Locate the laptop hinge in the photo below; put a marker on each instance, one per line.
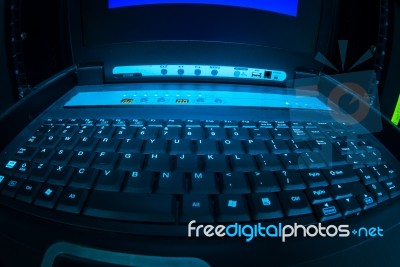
(90, 74)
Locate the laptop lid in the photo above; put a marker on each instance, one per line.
(163, 40)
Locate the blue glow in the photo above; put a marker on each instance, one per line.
(195, 98)
(286, 7)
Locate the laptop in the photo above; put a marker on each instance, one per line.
(199, 133)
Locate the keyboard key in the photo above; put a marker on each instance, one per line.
(28, 191)
(314, 178)
(235, 183)
(171, 183)
(187, 162)
(11, 187)
(61, 157)
(140, 182)
(105, 160)
(110, 180)
(130, 162)
(216, 163)
(239, 133)
(298, 146)
(340, 175)
(207, 147)
(68, 130)
(379, 172)
(248, 124)
(23, 169)
(269, 162)
(230, 124)
(266, 206)
(72, 200)
(378, 192)
(392, 172)
(40, 172)
(132, 207)
(261, 134)
(216, 133)
(341, 191)
(294, 203)
(104, 132)
(193, 133)
(243, 163)
(278, 146)
(155, 123)
(125, 132)
(366, 176)
(147, 133)
(50, 141)
(211, 123)
(292, 161)
(83, 178)
(327, 211)
(34, 141)
(203, 183)
(153, 146)
(85, 131)
(290, 180)
(47, 196)
(392, 187)
(3, 181)
(159, 162)
(321, 144)
(367, 201)
(313, 160)
(132, 146)
(196, 207)
(318, 195)
(25, 153)
(174, 123)
(264, 182)
(349, 206)
(170, 133)
(280, 134)
(86, 144)
(107, 145)
(60, 175)
(298, 134)
(255, 147)
(231, 147)
(81, 159)
(181, 146)
(232, 208)
(43, 155)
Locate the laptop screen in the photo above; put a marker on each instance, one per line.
(291, 25)
(286, 7)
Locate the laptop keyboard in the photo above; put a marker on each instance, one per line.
(174, 171)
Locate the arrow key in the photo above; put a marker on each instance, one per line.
(327, 211)
(349, 206)
(367, 201)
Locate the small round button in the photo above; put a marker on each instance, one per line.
(197, 72)
(236, 73)
(214, 72)
(164, 71)
(181, 71)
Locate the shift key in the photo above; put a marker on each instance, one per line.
(131, 207)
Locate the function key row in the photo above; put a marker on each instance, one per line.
(326, 126)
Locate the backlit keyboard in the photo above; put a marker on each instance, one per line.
(174, 171)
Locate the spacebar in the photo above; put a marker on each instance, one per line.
(131, 207)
